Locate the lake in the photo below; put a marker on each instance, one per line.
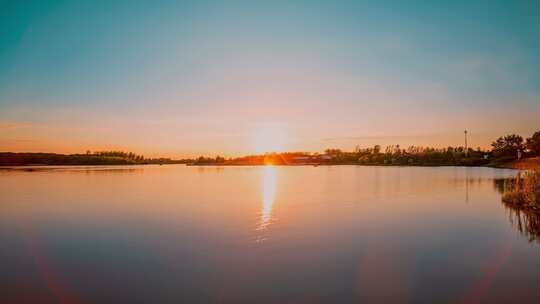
(328, 234)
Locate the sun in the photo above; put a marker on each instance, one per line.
(269, 137)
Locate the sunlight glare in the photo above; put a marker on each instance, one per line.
(268, 196)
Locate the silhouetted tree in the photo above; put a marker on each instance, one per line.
(333, 151)
(533, 143)
(507, 145)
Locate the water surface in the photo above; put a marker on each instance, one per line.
(342, 234)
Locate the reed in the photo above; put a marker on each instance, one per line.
(523, 190)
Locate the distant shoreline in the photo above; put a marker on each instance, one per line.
(503, 166)
(105, 158)
(522, 165)
(401, 159)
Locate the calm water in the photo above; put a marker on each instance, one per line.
(344, 234)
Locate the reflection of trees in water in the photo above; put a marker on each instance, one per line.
(499, 183)
(525, 220)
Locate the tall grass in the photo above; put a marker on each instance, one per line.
(523, 190)
(521, 197)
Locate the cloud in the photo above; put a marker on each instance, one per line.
(13, 125)
(381, 137)
(19, 141)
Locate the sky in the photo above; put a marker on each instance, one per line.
(185, 78)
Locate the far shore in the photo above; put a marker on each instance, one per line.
(525, 164)
(391, 157)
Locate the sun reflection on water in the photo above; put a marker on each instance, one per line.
(269, 187)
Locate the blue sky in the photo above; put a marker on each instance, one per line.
(184, 78)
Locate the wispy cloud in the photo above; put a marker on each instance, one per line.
(12, 125)
(382, 137)
(19, 141)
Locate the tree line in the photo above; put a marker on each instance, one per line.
(509, 145)
(503, 150)
(89, 158)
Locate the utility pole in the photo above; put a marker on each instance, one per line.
(466, 148)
